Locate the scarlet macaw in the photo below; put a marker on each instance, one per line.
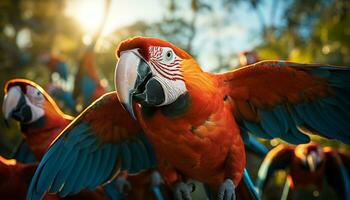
(40, 118)
(307, 165)
(248, 58)
(193, 120)
(87, 85)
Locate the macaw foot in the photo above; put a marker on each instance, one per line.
(122, 184)
(155, 179)
(182, 191)
(227, 190)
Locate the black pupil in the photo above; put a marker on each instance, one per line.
(168, 54)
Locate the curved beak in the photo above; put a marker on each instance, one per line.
(15, 105)
(11, 100)
(131, 75)
(312, 161)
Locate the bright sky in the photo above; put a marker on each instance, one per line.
(89, 12)
(240, 35)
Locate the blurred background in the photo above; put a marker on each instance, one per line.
(214, 32)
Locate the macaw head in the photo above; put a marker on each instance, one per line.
(311, 156)
(152, 72)
(26, 102)
(248, 58)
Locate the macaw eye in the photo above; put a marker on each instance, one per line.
(168, 55)
(35, 96)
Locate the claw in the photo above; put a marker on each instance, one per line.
(227, 190)
(182, 191)
(155, 179)
(122, 184)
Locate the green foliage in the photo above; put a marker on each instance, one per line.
(314, 31)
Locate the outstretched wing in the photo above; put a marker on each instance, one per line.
(278, 99)
(99, 143)
(278, 158)
(337, 174)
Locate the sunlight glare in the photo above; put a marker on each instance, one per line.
(88, 14)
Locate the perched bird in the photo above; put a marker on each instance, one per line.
(248, 58)
(307, 165)
(40, 118)
(193, 121)
(15, 178)
(87, 85)
(41, 122)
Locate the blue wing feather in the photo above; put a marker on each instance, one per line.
(270, 123)
(137, 161)
(106, 152)
(62, 175)
(280, 114)
(73, 163)
(256, 129)
(80, 158)
(126, 163)
(328, 116)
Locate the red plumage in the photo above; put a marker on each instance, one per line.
(15, 178)
(205, 142)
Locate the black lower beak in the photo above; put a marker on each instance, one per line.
(22, 112)
(149, 91)
(152, 95)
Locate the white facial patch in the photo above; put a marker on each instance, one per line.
(165, 66)
(35, 96)
(35, 100)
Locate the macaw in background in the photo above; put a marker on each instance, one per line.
(307, 165)
(15, 178)
(193, 122)
(87, 85)
(55, 64)
(248, 58)
(62, 95)
(40, 120)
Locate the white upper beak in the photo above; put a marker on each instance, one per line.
(11, 100)
(125, 78)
